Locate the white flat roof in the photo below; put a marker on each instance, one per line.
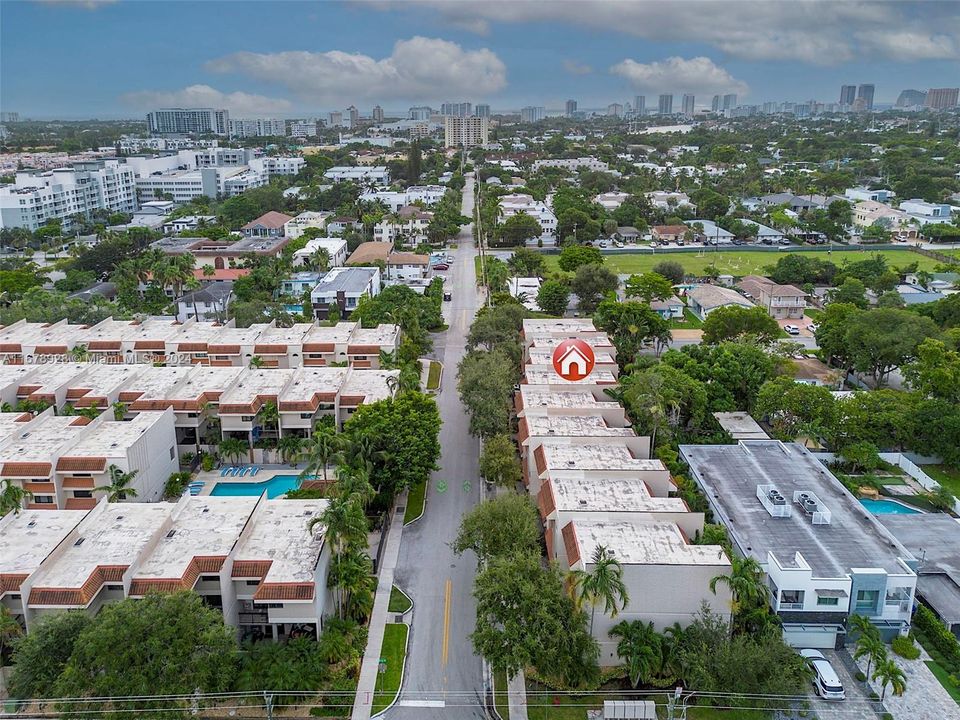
(292, 335)
(53, 376)
(372, 384)
(538, 396)
(542, 355)
(256, 383)
(563, 325)
(205, 527)
(155, 383)
(582, 494)
(102, 379)
(112, 439)
(645, 543)
(279, 534)
(380, 335)
(40, 441)
(536, 375)
(27, 538)
(573, 426)
(199, 332)
(339, 334)
(204, 378)
(309, 380)
(582, 456)
(238, 336)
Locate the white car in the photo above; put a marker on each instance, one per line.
(791, 329)
(811, 327)
(826, 682)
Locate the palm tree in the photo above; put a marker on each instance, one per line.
(604, 583)
(862, 626)
(669, 650)
(233, 448)
(352, 574)
(119, 487)
(80, 353)
(344, 526)
(270, 416)
(361, 450)
(745, 582)
(871, 647)
(640, 647)
(12, 497)
(323, 448)
(9, 629)
(119, 411)
(354, 482)
(209, 271)
(290, 448)
(256, 362)
(889, 673)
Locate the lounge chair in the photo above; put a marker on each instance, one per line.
(254, 470)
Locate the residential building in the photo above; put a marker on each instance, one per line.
(942, 98)
(716, 105)
(377, 114)
(36, 198)
(184, 185)
(219, 254)
(344, 287)
(826, 557)
(466, 131)
(640, 105)
(572, 164)
(481, 110)
(712, 233)
(739, 425)
(615, 110)
(859, 194)
(611, 200)
(670, 200)
(336, 250)
(729, 101)
(372, 175)
(510, 205)
(780, 301)
(665, 105)
(869, 212)
(704, 299)
(765, 234)
(206, 303)
(911, 99)
(261, 127)
(273, 165)
(303, 129)
(420, 112)
(268, 225)
(295, 227)
(397, 199)
(848, 93)
(532, 114)
(570, 108)
(409, 226)
(462, 109)
(688, 104)
(927, 212)
(188, 121)
(865, 94)
(669, 309)
(791, 202)
(669, 233)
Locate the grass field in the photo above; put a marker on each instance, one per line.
(415, 500)
(393, 650)
(433, 378)
(690, 321)
(500, 695)
(944, 677)
(946, 475)
(399, 602)
(740, 262)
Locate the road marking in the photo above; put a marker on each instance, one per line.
(448, 597)
(422, 703)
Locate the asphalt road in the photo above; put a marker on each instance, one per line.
(443, 677)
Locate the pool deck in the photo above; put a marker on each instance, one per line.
(210, 479)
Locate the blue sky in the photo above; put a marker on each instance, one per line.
(119, 58)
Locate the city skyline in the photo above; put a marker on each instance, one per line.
(400, 54)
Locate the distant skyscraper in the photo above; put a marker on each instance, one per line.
(716, 104)
(640, 104)
(729, 101)
(571, 108)
(942, 98)
(465, 131)
(482, 110)
(463, 109)
(189, 121)
(9, 117)
(688, 104)
(335, 119)
(665, 105)
(848, 93)
(377, 114)
(420, 112)
(911, 98)
(532, 114)
(865, 93)
(615, 110)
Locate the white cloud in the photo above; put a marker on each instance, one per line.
(679, 75)
(576, 68)
(420, 67)
(820, 32)
(239, 104)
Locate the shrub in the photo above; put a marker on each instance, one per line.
(937, 634)
(904, 647)
(207, 462)
(861, 676)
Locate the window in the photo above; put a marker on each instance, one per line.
(828, 601)
(83, 493)
(173, 453)
(247, 418)
(791, 599)
(43, 500)
(898, 596)
(252, 583)
(867, 599)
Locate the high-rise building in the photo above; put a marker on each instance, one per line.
(463, 109)
(353, 116)
(420, 112)
(481, 110)
(9, 117)
(729, 101)
(532, 114)
(571, 108)
(665, 105)
(865, 93)
(640, 104)
(262, 127)
(303, 128)
(188, 121)
(716, 105)
(688, 104)
(942, 98)
(615, 110)
(911, 98)
(335, 119)
(377, 114)
(466, 131)
(848, 93)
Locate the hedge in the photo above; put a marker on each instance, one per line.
(937, 634)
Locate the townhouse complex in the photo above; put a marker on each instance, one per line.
(596, 486)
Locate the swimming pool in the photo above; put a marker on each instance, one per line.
(274, 487)
(888, 507)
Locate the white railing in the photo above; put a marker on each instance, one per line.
(774, 510)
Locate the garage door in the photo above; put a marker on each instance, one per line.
(810, 636)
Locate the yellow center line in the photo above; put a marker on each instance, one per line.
(448, 596)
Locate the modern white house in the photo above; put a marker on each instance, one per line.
(336, 250)
(510, 205)
(295, 227)
(371, 175)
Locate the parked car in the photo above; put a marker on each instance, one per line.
(441, 266)
(811, 327)
(680, 242)
(791, 329)
(826, 682)
(449, 258)
(602, 243)
(618, 244)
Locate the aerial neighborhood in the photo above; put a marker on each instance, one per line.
(361, 399)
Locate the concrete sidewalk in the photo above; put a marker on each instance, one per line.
(517, 696)
(363, 701)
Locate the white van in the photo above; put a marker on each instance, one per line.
(826, 682)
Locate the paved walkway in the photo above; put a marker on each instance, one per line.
(517, 697)
(371, 657)
(925, 698)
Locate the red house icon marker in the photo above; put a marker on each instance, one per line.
(573, 360)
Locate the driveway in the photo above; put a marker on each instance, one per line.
(858, 705)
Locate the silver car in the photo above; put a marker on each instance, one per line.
(826, 682)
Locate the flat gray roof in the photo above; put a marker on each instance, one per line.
(730, 474)
(740, 426)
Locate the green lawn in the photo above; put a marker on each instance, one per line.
(944, 677)
(394, 650)
(415, 499)
(433, 378)
(740, 262)
(946, 475)
(813, 313)
(706, 713)
(561, 707)
(690, 321)
(500, 695)
(399, 602)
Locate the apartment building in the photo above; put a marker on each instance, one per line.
(371, 175)
(188, 121)
(780, 301)
(572, 164)
(517, 203)
(408, 226)
(182, 186)
(261, 127)
(296, 226)
(271, 166)
(35, 198)
(397, 199)
(826, 557)
(465, 132)
(252, 558)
